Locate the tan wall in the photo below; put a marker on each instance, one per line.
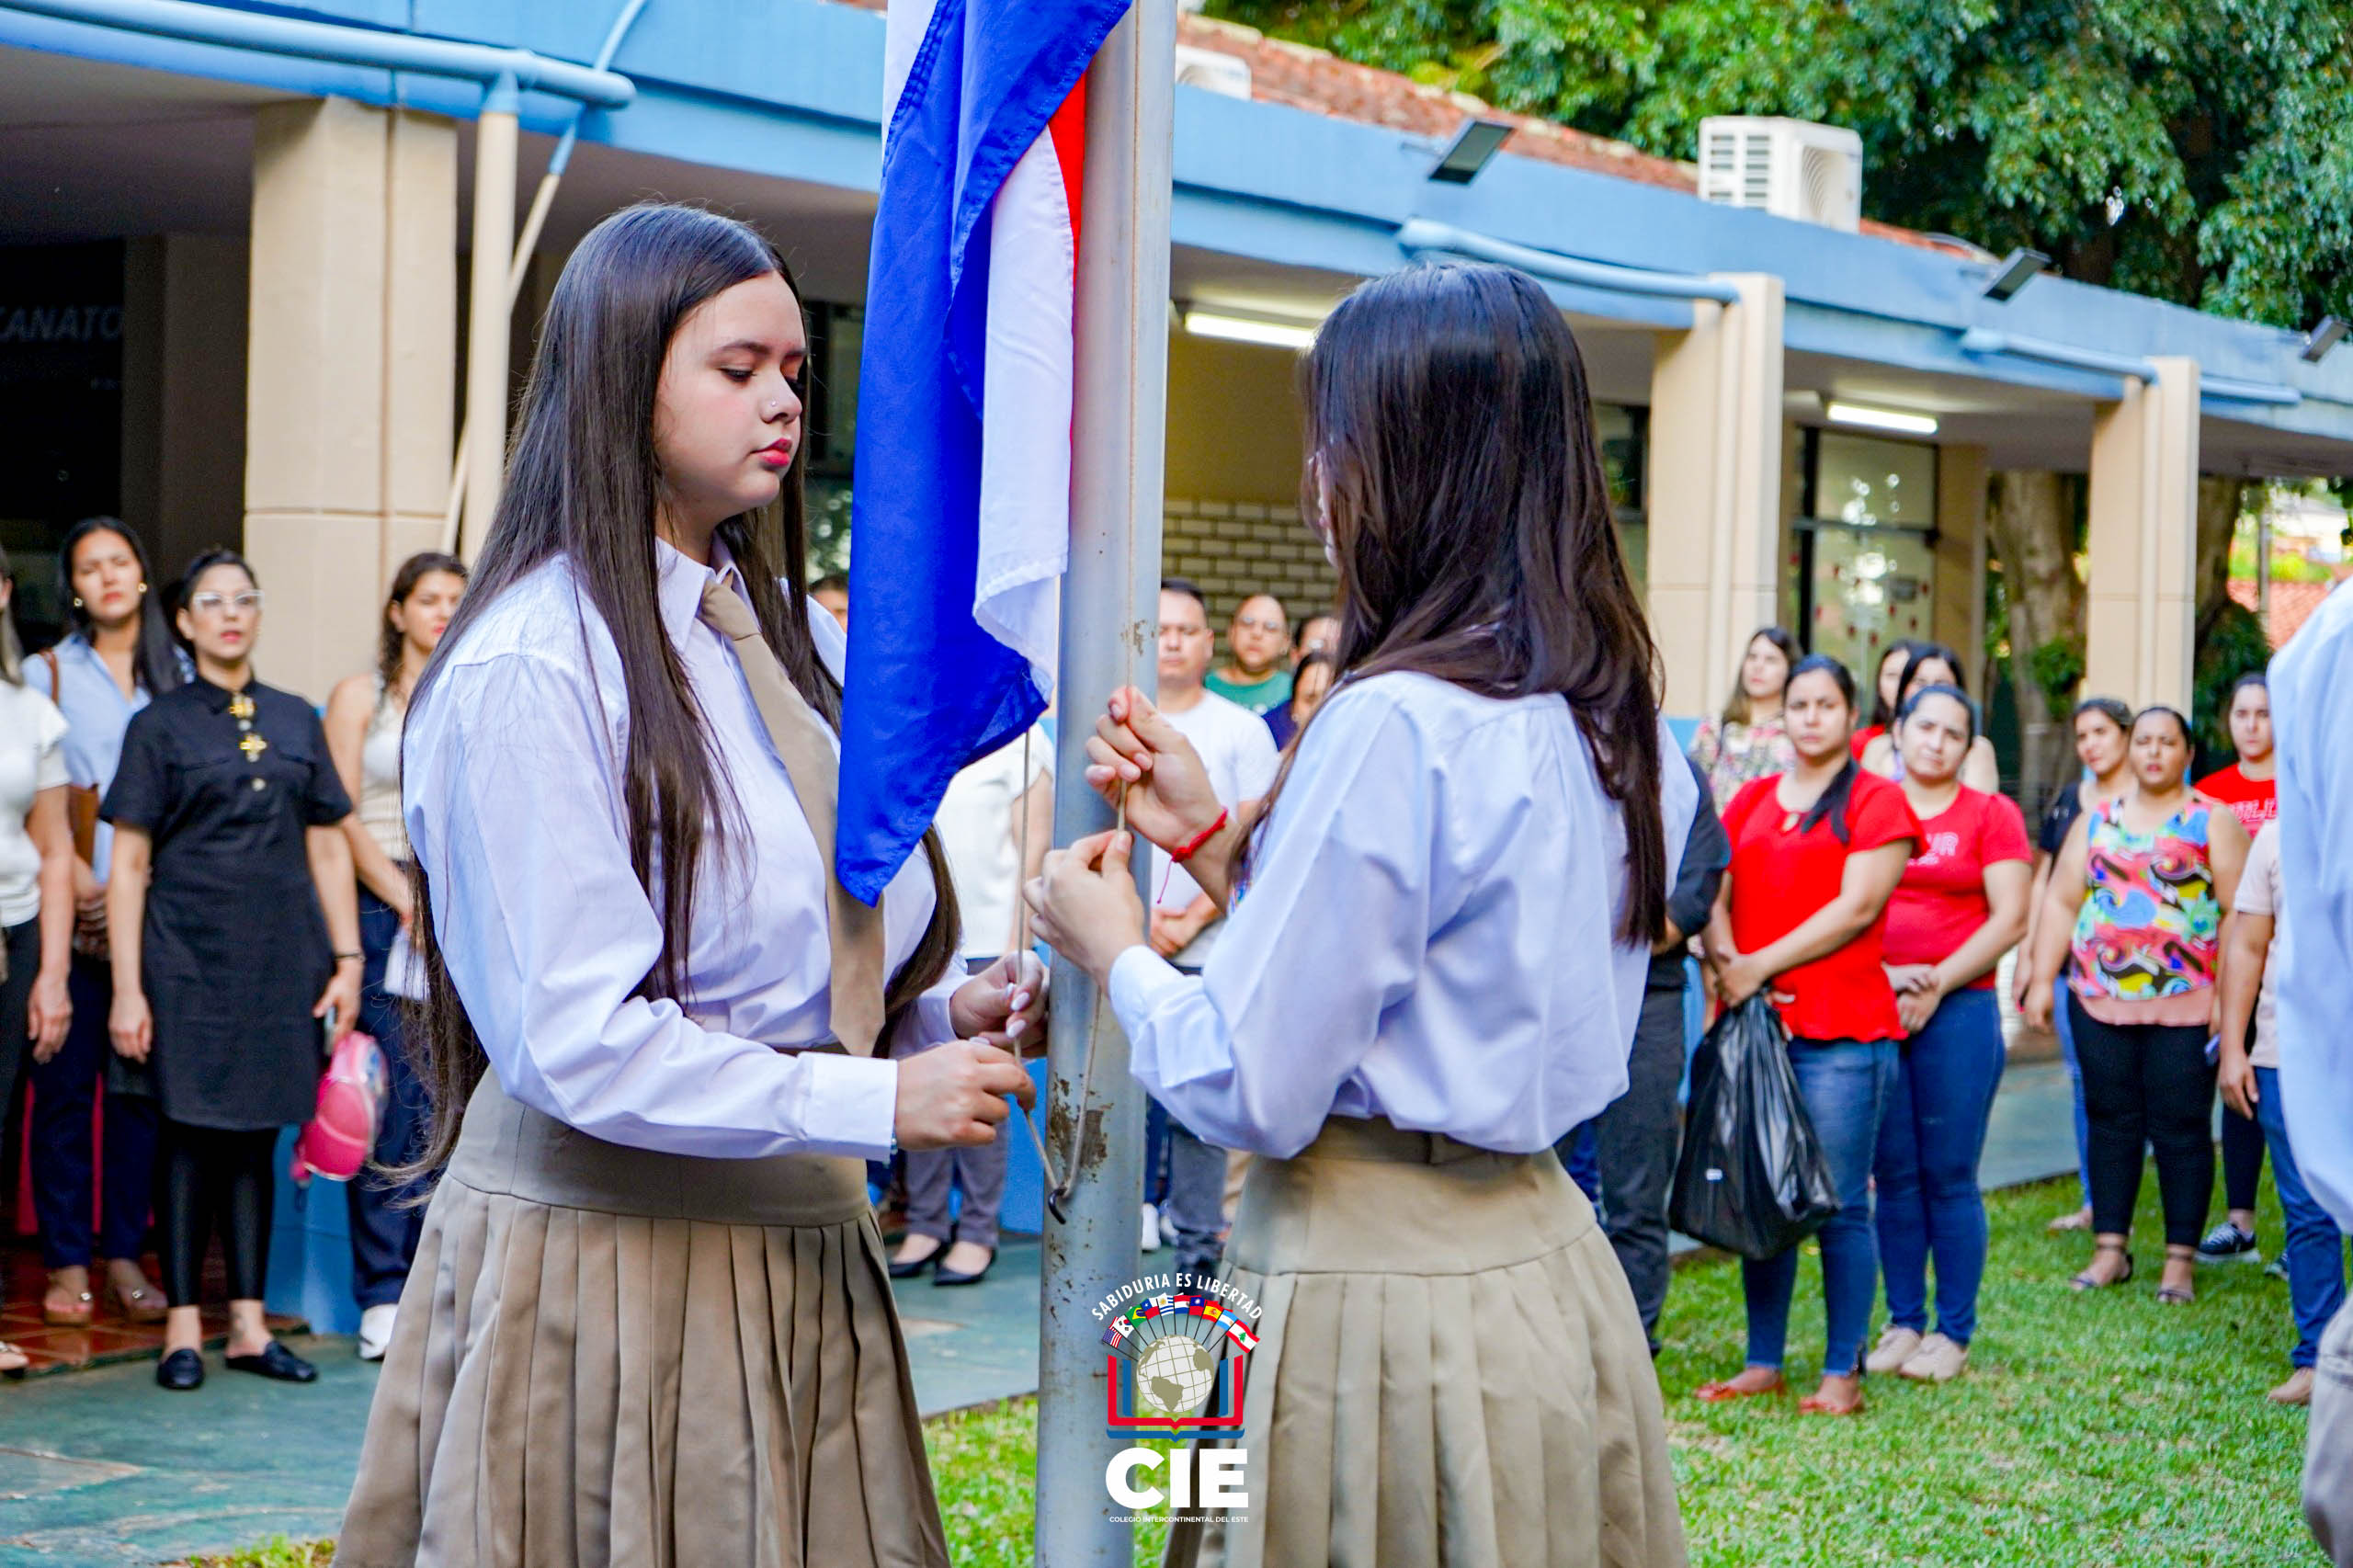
(183, 402)
(1959, 614)
(1714, 490)
(2142, 540)
(1234, 422)
(351, 368)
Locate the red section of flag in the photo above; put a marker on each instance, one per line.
(1068, 128)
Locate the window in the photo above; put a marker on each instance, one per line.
(1866, 546)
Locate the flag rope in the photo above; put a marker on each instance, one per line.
(1058, 1184)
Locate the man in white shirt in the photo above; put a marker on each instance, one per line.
(1235, 746)
(1239, 753)
(2311, 706)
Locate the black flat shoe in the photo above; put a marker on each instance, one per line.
(914, 1267)
(950, 1276)
(180, 1371)
(277, 1362)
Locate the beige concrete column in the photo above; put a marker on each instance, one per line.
(1958, 615)
(2142, 597)
(350, 363)
(1713, 490)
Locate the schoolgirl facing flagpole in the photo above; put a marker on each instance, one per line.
(648, 1321)
(1440, 922)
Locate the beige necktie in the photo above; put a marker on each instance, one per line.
(802, 740)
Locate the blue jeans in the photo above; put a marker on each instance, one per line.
(1925, 1171)
(383, 1233)
(2315, 1250)
(2064, 1028)
(1846, 1086)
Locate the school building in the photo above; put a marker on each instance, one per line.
(239, 302)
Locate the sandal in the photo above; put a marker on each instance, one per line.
(78, 1309)
(2086, 1280)
(13, 1361)
(140, 1304)
(1726, 1390)
(1814, 1404)
(2178, 1295)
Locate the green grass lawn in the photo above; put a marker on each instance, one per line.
(2100, 1429)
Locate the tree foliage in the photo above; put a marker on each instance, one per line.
(2201, 153)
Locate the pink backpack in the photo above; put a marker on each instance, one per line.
(351, 1105)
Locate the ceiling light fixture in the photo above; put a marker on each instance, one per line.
(1250, 329)
(1870, 418)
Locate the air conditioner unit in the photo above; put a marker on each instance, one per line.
(1212, 71)
(1791, 168)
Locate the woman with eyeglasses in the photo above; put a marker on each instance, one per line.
(237, 933)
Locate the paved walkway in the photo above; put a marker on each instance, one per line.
(98, 1468)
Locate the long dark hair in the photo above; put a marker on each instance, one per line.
(1921, 654)
(1453, 460)
(390, 638)
(1736, 706)
(1883, 711)
(1831, 804)
(154, 660)
(582, 483)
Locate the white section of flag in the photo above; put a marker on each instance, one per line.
(1025, 413)
(1026, 374)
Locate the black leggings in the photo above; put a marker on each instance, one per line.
(213, 1176)
(2151, 1083)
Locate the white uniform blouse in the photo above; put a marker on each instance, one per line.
(1429, 935)
(512, 791)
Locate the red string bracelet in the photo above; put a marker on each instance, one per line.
(1193, 846)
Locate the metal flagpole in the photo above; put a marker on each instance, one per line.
(1109, 618)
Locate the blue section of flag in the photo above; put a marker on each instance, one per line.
(928, 690)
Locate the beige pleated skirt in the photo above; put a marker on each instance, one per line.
(610, 1356)
(1450, 1372)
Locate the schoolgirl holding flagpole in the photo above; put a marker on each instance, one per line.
(1440, 925)
(649, 1322)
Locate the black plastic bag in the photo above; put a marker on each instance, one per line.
(1752, 1177)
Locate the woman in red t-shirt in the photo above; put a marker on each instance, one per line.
(2251, 788)
(1961, 904)
(1815, 852)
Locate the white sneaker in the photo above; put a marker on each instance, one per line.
(376, 1331)
(1938, 1360)
(1894, 1347)
(1152, 1241)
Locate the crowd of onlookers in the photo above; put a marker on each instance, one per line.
(1876, 881)
(203, 885)
(1853, 857)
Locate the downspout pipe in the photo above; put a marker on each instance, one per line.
(328, 41)
(524, 244)
(1422, 236)
(1985, 341)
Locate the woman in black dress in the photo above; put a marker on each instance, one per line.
(228, 860)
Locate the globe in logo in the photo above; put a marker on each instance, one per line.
(1176, 1377)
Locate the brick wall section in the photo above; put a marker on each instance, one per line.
(1234, 548)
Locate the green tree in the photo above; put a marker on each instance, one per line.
(2201, 154)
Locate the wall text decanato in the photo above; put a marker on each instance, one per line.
(61, 324)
